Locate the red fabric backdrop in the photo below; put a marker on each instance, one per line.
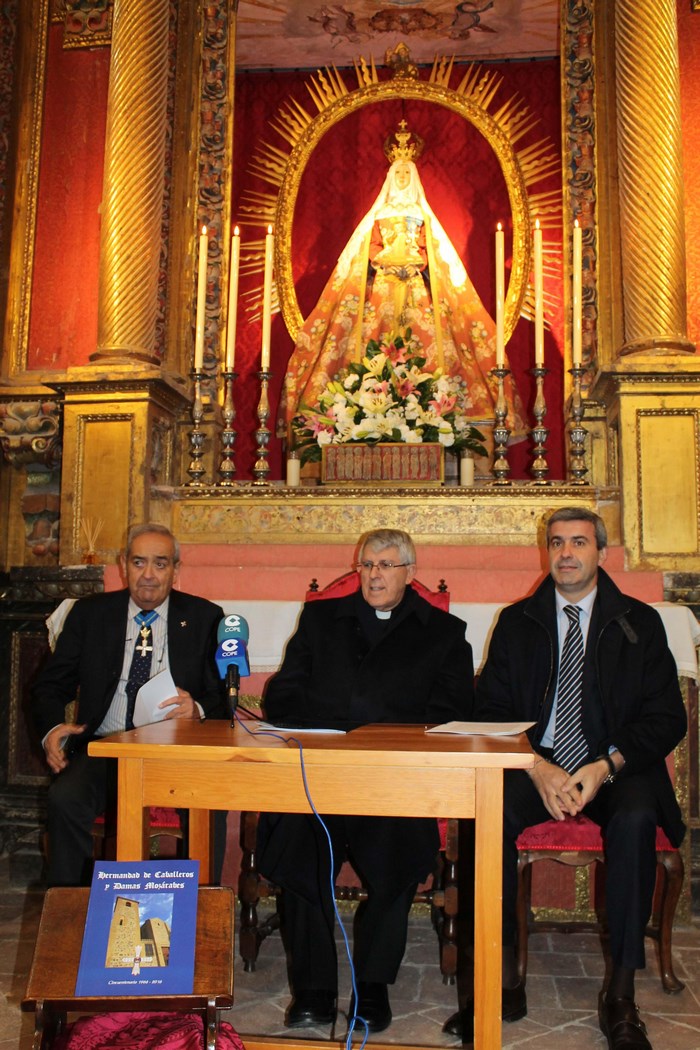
(63, 322)
(464, 185)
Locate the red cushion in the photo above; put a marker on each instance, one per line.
(159, 817)
(349, 582)
(572, 834)
(143, 1031)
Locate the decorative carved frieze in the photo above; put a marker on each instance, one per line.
(30, 433)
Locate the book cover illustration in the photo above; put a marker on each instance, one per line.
(140, 929)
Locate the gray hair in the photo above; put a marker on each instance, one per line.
(580, 514)
(381, 539)
(149, 527)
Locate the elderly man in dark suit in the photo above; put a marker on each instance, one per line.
(109, 646)
(383, 654)
(591, 668)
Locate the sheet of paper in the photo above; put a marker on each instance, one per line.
(482, 728)
(267, 727)
(160, 687)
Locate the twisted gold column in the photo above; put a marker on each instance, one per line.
(651, 186)
(133, 181)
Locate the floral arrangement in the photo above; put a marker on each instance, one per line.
(388, 397)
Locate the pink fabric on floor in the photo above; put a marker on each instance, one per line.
(143, 1031)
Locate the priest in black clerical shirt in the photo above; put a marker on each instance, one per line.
(382, 654)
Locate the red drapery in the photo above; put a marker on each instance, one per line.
(464, 185)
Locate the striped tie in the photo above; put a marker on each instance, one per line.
(140, 670)
(570, 747)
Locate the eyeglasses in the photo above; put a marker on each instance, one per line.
(383, 566)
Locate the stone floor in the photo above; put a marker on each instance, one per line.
(565, 974)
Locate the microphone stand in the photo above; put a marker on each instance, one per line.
(233, 684)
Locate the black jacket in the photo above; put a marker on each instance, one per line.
(419, 671)
(632, 699)
(89, 656)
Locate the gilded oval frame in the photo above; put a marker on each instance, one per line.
(405, 88)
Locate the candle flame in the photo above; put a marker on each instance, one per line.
(269, 229)
(236, 232)
(576, 223)
(499, 227)
(204, 231)
(537, 224)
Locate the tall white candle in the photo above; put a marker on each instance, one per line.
(539, 298)
(201, 300)
(500, 297)
(232, 301)
(267, 302)
(577, 293)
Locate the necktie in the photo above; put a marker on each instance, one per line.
(570, 747)
(140, 669)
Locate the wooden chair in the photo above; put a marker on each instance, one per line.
(440, 893)
(163, 822)
(576, 842)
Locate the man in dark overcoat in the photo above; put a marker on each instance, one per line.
(382, 654)
(92, 662)
(604, 755)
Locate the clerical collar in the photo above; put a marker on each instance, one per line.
(383, 614)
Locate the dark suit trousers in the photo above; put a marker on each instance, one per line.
(628, 814)
(308, 919)
(79, 794)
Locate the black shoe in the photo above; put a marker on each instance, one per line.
(621, 1024)
(513, 1003)
(372, 1005)
(513, 1008)
(309, 1008)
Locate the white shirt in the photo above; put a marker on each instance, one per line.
(115, 719)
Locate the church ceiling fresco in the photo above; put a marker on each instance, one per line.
(305, 34)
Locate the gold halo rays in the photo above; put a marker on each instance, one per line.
(471, 99)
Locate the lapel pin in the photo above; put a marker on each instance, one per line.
(183, 623)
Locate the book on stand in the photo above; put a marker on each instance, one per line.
(140, 929)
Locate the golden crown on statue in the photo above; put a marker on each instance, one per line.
(402, 148)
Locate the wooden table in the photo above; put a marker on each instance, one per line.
(376, 770)
(51, 985)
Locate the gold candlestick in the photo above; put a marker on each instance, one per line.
(196, 469)
(577, 432)
(501, 432)
(539, 467)
(227, 467)
(262, 435)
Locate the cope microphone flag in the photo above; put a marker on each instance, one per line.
(232, 650)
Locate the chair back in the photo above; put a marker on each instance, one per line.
(349, 582)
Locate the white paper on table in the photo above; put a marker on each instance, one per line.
(268, 727)
(160, 687)
(482, 728)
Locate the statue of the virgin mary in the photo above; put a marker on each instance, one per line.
(400, 270)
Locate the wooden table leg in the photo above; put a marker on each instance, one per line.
(488, 893)
(132, 824)
(200, 836)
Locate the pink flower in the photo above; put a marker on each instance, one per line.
(398, 355)
(442, 404)
(404, 387)
(319, 425)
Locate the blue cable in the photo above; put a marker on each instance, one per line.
(295, 740)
